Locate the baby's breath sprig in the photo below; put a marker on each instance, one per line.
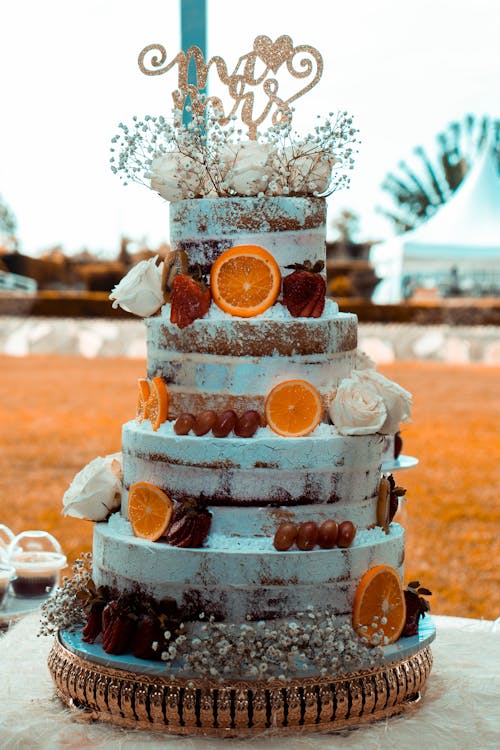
(204, 158)
(64, 610)
(8, 222)
(312, 641)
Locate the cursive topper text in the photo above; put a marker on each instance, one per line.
(302, 62)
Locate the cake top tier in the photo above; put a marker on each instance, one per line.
(291, 229)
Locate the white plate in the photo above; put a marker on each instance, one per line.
(15, 607)
(72, 640)
(400, 463)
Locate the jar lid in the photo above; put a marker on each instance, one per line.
(36, 564)
(7, 572)
(6, 536)
(35, 553)
(33, 541)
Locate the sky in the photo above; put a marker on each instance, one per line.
(68, 74)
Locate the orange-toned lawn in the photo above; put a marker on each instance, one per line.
(57, 413)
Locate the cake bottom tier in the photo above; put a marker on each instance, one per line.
(240, 579)
(135, 694)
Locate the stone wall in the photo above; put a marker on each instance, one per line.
(383, 342)
(441, 343)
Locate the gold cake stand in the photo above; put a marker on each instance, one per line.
(237, 707)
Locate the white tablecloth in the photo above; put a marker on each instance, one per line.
(460, 710)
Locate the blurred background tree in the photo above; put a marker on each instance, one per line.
(349, 272)
(420, 186)
(8, 227)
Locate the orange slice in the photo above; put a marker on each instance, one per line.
(142, 399)
(245, 280)
(293, 408)
(379, 611)
(149, 510)
(157, 404)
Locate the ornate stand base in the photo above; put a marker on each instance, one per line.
(185, 706)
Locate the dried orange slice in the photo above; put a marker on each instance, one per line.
(379, 611)
(293, 408)
(149, 510)
(245, 280)
(142, 399)
(157, 404)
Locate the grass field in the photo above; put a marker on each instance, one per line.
(57, 413)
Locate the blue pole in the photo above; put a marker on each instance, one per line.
(193, 34)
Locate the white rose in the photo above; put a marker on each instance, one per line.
(247, 167)
(176, 177)
(95, 492)
(140, 292)
(396, 399)
(308, 173)
(364, 362)
(358, 408)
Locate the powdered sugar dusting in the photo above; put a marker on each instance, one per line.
(277, 312)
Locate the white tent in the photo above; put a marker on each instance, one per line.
(387, 261)
(463, 236)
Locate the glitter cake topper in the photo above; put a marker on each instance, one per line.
(242, 83)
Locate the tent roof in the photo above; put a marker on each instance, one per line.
(469, 222)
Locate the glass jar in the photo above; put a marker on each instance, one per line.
(38, 561)
(7, 573)
(6, 536)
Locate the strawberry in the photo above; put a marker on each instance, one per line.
(94, 600)
(149, 639)
(94, 623)
(189, 299)
(190, 524)
(416, 607)
(304, 290)
(118, 626)
(155, 629)
(398, 444)
(395, 493)
(117, 636)
(108, 614)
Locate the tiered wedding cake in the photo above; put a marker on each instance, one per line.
(245, 540)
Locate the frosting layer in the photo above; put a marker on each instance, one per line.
(266, 469)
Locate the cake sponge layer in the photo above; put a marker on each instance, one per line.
(272, 333)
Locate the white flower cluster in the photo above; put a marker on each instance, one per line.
(367, 402)
(268, 650)
(7, 220)
(95, 491)
(205, 159)
(63, 610)
(140, 291)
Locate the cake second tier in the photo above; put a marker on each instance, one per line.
(264, 470)
(221, 362)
